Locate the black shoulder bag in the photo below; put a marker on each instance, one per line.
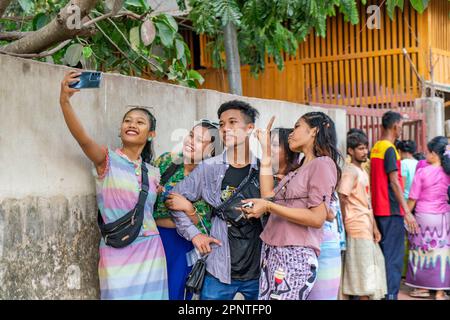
(122, 232)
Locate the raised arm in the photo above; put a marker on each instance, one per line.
(90, 148)
(266, 174)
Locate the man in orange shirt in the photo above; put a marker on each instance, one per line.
(389, 207)
(364, 267)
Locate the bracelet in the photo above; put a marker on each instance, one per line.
(195, 212)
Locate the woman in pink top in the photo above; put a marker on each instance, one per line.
(429, 255)
(298, 207)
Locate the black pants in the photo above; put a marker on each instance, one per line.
(393, 246)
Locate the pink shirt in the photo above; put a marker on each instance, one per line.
(429, 188)
(311, 185)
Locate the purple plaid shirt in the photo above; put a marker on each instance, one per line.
(205, 182)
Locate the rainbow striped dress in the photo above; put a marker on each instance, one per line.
(139, 270)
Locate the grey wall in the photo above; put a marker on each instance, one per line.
(48, 233)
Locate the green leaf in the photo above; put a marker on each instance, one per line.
(196, 76)
(27, 5)
(390, 7)
(40, 20)
(145, 4)
(179, 45)
(135, 39)
(148, 32)
(73, 54)
(134, 3)
(87, 52)
(170, 21)
(165, 33)
(419, 5)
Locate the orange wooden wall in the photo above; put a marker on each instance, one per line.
(354, 65)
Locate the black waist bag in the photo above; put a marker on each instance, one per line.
(249, 188)
(122, 232)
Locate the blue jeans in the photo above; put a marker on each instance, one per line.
(213, 289)
(393, 246)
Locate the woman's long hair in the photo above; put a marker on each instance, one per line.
(148, 152)
(325, 142)
(438, 145)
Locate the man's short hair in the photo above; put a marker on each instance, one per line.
(356, 139)
(250, 113)
(356, 130)
(390, 118)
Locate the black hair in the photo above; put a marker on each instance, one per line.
(325, 143)
(354, 140)
(390, 118)
(356, 130)
(419, 156)
(148, 152)
(438, 145)
(407, 146)
(213, 130)
(291, 156)
(250, 113)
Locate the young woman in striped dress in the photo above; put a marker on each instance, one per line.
(137, 271)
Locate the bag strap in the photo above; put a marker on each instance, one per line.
(243, 185)
(139, 208)
(170, 171)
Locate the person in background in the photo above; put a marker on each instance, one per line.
(284, 160)
(429, 256)
(201, 143)
(389, 207)
(364, 267)
(365, 165)
(407, 150)
(330, 259)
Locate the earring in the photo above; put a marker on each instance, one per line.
(150, 139)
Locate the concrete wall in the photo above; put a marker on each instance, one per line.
(434, 116)
(48, 233)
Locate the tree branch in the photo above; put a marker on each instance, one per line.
(57, 31)
(3, 5)
(39, 55)
(17, 18)
(13, 35)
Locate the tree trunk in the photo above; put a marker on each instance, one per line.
(233, 61)
(3, 5)
(53, 33)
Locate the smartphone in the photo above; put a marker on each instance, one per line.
(88, 80)
(248, 205)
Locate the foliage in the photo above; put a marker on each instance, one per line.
(155, 39)
(272, 27)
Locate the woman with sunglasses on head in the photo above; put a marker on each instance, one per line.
(298, 207)
(201, 143)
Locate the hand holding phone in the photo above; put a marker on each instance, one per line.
(87, 80)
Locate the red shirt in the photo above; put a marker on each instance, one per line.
(384, 159)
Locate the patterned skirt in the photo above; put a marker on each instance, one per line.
(429, 253)
(287, 273)
(136, 272)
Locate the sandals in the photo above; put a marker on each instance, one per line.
(443, 297)
(419, 293)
